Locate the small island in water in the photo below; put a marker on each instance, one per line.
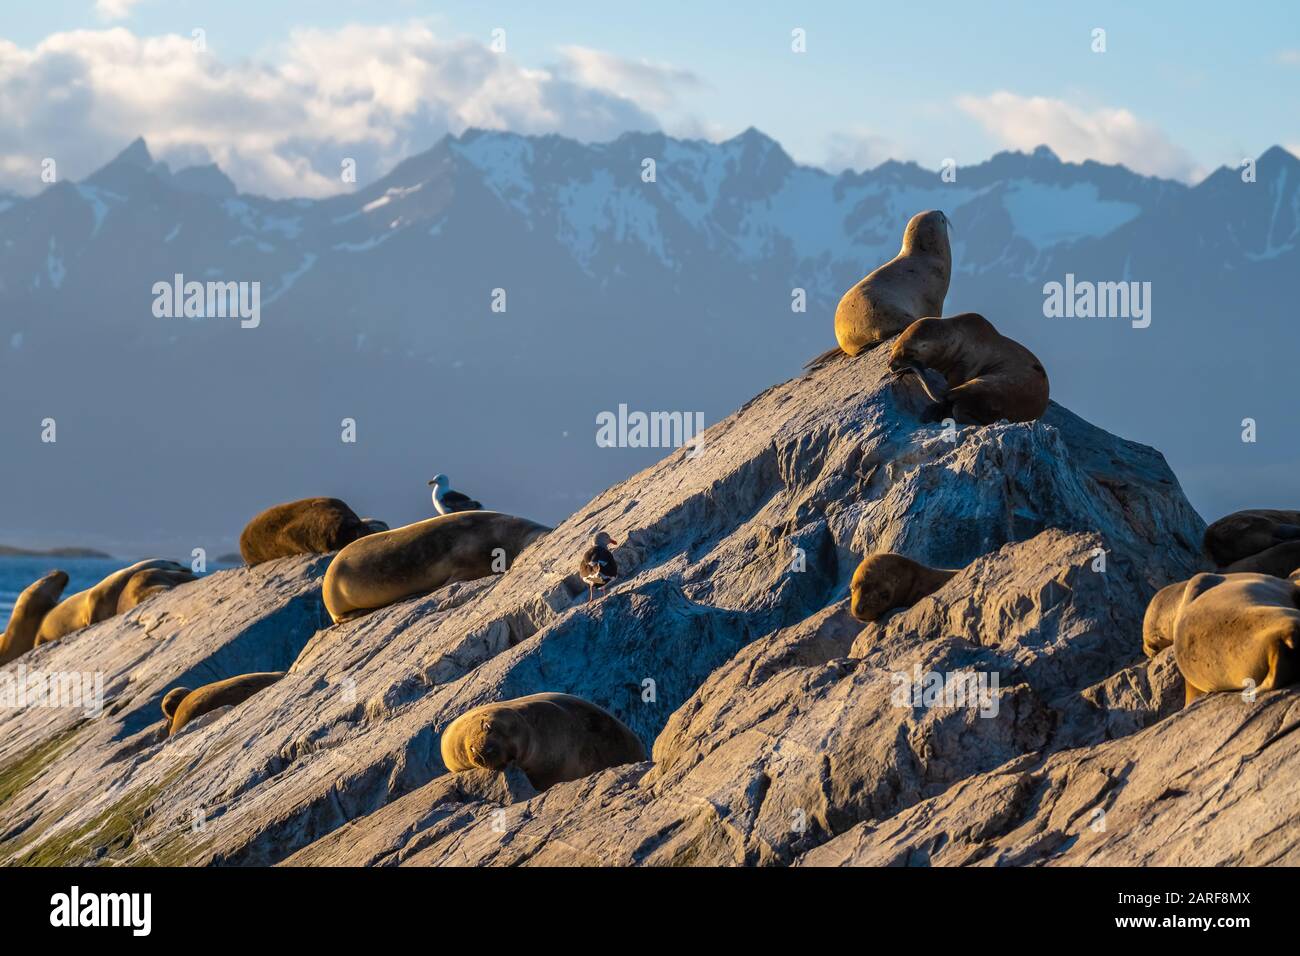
(8, 551)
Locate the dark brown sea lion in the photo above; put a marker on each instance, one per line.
(909, 286)
(382, 569)
(308, 526)
(550, 737)
(36, 601)
(1243, 533)
(887, 581)
(990, 377)
(1281, 561)
(181, 705)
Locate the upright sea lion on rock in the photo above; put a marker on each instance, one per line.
(308, 526)
(180, 705)
(145, 584)
(989, 376)
(95, 604)
(887, 581)
(1236, 631)
(382, 569)
(550, 737)
(1243, 533)
(909, 286)
(36, 601)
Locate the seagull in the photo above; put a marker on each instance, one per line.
(447, 501)
(598, 566)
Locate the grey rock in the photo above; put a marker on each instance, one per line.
(724, 643)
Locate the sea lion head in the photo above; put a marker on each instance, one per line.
(38, 600)
(921, 345)
(172, 700)
(878, 585)
(495, 739)
(927, 234)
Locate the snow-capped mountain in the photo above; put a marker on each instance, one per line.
(667, 292)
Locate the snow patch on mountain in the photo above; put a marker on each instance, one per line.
(1045, 214)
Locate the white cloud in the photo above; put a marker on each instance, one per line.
(1288, 57)
(858, 150)
(114, 9)
(658, 86)
(375, 94)
(1106, 135)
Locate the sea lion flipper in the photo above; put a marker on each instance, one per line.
(830, 355)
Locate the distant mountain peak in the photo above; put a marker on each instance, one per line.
(137, 154)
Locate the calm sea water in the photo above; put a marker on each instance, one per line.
(17, 573)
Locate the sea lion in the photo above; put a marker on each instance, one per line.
(382, 569)
(550, 737)
(97, 603)
(192, 704)
(374, 525)
(307, 526)
(1236, 631)
(1243, 533)
(36, 601)
(989, 376)
(909, 286)
(145, 584)
(1160, 618)
(887, 581)
(1281, 561)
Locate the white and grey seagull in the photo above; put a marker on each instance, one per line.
(447, 501)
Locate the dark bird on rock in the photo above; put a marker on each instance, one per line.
(598, 566)
(447, 501)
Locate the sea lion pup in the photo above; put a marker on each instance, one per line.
(887, 581)
(909, 286)
(1281, 561)
(1243, 533)
(230, 692)
(550, 737)
(382, 569)
(1236, 631)
(1161, 615)
(307, 526)
(145, 584)
(97, 603)
(36, 601)
(989, 376)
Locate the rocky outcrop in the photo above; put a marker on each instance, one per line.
(774, 719)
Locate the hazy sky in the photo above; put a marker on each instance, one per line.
(283, 87)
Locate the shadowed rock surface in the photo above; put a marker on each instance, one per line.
(725, 644)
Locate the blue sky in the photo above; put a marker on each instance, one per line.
(1181, 88)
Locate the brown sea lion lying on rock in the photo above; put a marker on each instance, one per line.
(145, 584)
(95, 604)
(550, 737)
(308, 526)
(990, 377)
(1238, 631)
(181, 705)
(382, 569)
(1245, 533)
(886, 581)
